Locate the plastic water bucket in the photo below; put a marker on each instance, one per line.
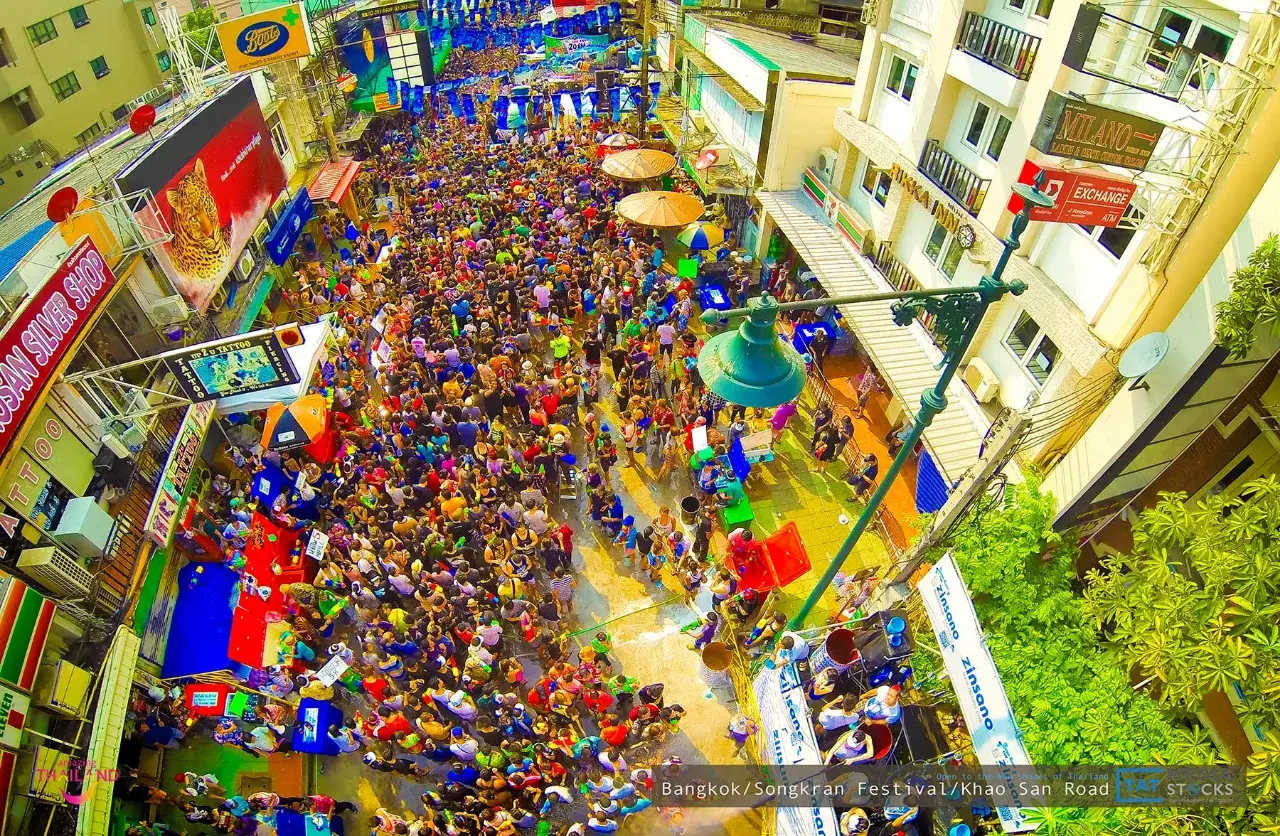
(689, 510)
(896, 626)
(713, 667)
(838, 651)
(961, 829)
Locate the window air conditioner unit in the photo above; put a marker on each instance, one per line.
(169, 310)
(984, 383)
(826, 167)
(56, 572)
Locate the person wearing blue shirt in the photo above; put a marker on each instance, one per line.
(463, 773)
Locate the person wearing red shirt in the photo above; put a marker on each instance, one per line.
(615, 735)
(597, 700)
(375, 686)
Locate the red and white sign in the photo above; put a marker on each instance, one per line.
(1081, 196)
(38, 338)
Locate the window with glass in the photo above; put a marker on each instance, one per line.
(977, 125)
(65, 87)
(1033, 349)
(120, 112)
(163, 59)
(278, 137)
(999, 134)
(840, 21)
(89, 134)
(1171, 31)
(944, 250)
(99, 66)
(79, 17)
(876, 183)
(148, 16)
(42, 32)
(902, 78)
(1041, 8)
(1116, 239)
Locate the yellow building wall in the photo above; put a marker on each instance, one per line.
(115, 31)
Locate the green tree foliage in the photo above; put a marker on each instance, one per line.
(1196, 608)
(1074, 702)
(199, 37)
(1254, 300)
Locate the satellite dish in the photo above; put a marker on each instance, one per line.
(62, 203)
(1141, 357)
(141, 120)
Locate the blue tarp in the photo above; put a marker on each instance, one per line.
(18, 250)
(201, 627)
(931, 489)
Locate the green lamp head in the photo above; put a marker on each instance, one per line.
(752, 365)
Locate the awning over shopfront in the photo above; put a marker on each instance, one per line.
(306, 358)
(353, 132)
(906, 358)
(711, 70)
(334, 180)
(108, 730)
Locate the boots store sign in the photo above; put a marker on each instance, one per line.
(37, 339)
(1082, 130)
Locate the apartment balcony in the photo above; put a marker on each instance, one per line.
(959, 181)
(897, 275)
(994, 58)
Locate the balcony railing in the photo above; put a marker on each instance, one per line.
(897, 274)
(953, 177)
(998, 44)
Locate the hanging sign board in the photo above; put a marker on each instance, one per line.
(257, 40)
(987, 713)
(237, 367)
(1086, 131)
(1085, 197)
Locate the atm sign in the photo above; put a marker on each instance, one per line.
(1085, 197)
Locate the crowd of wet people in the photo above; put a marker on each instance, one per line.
(529, 343)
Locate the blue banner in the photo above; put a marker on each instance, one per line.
(589, 96)
(501, 107)
(288, 227)
(406, 96)
(419, 104)
(615, 102)
(454, 105)
(469, 108)
(393, 92)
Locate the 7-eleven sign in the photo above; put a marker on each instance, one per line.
(14, 708)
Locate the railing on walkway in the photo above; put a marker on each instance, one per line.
(953, 177)
(897, 275)
(998, 44)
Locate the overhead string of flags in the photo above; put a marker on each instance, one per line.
(474, 25)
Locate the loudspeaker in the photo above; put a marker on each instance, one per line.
(605, 79)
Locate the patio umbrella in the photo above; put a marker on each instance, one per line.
(638, 164)
(295, 425)
(660, 209)
(614, 143)
(701, 235)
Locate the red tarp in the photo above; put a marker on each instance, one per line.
(784, 560)
(249, 621)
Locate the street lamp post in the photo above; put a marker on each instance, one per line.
(753, 366)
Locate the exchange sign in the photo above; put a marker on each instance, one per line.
(1081, 196)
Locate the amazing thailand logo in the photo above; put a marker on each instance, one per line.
(83, 771)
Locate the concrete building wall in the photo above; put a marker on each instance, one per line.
(804, 112)
(112, 30)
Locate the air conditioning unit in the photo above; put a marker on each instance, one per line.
(826, 166)
(169, 310)
(984, 383)
(56, 572)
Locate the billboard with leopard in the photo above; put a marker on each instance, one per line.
(211, 180)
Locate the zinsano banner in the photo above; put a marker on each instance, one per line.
(269, 37)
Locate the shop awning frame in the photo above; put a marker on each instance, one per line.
(114, 684)
(710, 69)
(334, 180)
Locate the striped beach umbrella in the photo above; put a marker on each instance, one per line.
(701, 235)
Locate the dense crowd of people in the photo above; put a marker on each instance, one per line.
(516, 316)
